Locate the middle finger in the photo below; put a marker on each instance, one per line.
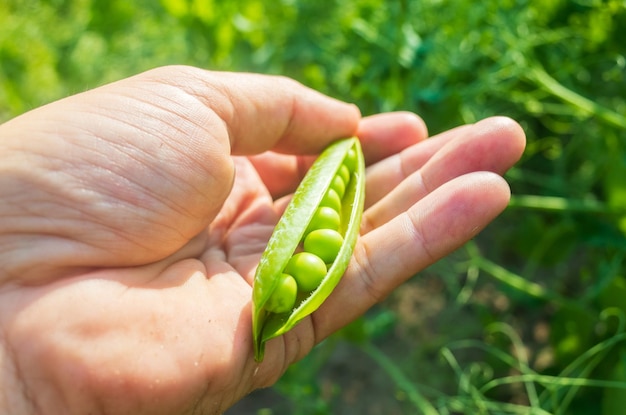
(491, 145)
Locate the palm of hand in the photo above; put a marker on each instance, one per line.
(157, 318)
(178, 329)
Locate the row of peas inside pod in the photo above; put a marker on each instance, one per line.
(312, 243)
(319, 246)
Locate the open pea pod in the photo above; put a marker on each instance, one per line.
(312, 243)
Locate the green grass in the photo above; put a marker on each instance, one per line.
(528, 317)
(545, 394)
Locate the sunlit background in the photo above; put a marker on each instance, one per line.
(527, 318)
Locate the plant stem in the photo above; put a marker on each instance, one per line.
(517, 282)
(420, 402)
(559, 204)
(539, 76)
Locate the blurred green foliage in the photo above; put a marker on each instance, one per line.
(553, 262)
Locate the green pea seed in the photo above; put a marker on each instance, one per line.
(324, 218)
(307, 269)
(351, 159)
(332, 200)
(344, 173)
(325, 243)
(283, 298)
(338, 185)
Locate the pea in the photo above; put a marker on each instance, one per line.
(324, 218)
(338, 185)
(283, 298)
(307, 269)
(344, 173)
(351, 160)
(319, 226)
(332, 200)
(325, 243)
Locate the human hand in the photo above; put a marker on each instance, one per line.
(133, 217)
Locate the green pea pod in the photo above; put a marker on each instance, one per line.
(287, 239)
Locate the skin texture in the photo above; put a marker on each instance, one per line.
(133, 217)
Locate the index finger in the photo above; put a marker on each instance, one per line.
(381, 135)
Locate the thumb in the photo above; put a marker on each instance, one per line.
(263, 112)
(130, 172)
